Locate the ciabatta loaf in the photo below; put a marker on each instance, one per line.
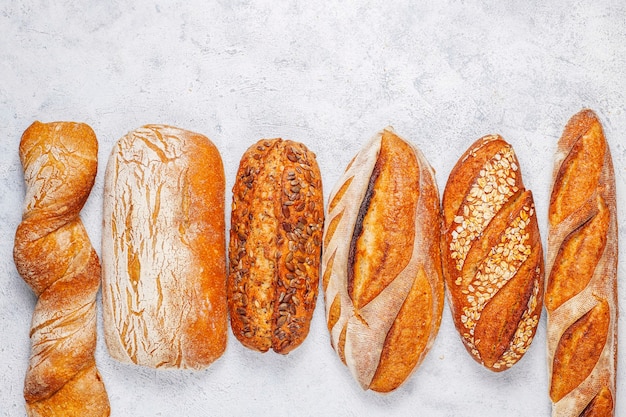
(163, 249)
(493, 259)
(381, 264)
(56, 259)
(275, 244)
(581, 292)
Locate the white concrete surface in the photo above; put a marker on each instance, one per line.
(328, 74)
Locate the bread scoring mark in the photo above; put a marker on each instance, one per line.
(600, 405)
(328, 271)
(525, 330)
(586, 244)
(332, 227)
(358, 227)
(493, 187)
(339, 194)
(501, 264)
(407, 341)
(341, 345)
(579, 350)
(334, 313)
(580, 172)
(384, 223)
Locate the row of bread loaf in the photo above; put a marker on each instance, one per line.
(383, 253)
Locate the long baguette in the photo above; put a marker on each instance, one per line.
(581, 291)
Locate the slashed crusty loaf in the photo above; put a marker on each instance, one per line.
(581, 291)
(493, 259)
(56, 259)
(275, 243)
(381, 264)
(164, 249)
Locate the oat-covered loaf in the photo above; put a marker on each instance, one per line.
(54, 256)
(492, 254)
(581, 290)
(275, 243)
(164, 249)
(381, 264)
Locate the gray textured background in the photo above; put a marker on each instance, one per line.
(329, 76)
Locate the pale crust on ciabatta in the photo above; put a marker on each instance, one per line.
(492, 254)
(581, 290)
(56, 259)
(381, 264)
(275, 244)
(164, 250)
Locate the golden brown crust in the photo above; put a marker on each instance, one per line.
(586, 245)
(164, 249)
(373, 262)
(55, 257)
(581, 296)
(578, 350)
(381, 263)
(492, 254)
(206, 331)
(579, 173)
(334, 313)
(407, 339)
(275, 244)
(600, 406)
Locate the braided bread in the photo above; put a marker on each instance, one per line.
(581, 294)
(54, 256)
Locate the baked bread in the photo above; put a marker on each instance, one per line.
(164, 250)
(54, 256)
(275, 243)
(381, 264)
(581, 291)
(493, 259)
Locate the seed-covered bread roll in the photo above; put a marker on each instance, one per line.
(581, 291)
(275, 243)
(493, 259)
(56, 259)
(163, 249)
(381, 265)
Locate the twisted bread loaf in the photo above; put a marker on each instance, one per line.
(581, 292)
(381, 264)
(54, 256)
(493, 259)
